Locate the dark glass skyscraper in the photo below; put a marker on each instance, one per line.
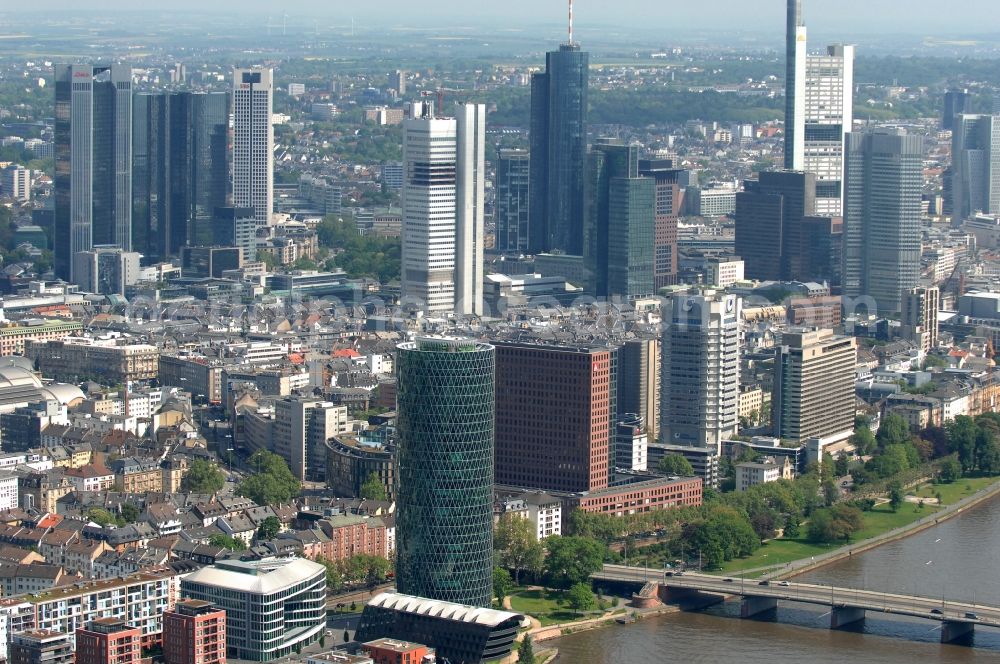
(559, 151)
(770, 237)
(445, 425)
(955, 102)
(620, 221)
(181, 168)
(93, 165)
(512, 201)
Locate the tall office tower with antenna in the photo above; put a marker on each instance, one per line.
(795, 79)
(559, 150)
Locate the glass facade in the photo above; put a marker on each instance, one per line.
(883, 185)
(445, 425)
(621, 221)
(558, 147)
(93, 167)
(512, 201)
(265, 620)
(181, 169)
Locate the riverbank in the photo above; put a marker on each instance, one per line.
(880, 523)
(799, 567)
(555, 631)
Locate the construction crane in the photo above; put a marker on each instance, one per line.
(959, 288)
(438, 94)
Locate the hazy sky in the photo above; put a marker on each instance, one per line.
(849, 16)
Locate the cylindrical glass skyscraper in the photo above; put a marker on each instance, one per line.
(444, 517)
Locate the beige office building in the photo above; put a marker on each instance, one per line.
(813, 385)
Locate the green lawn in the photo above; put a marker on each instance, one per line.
(956, 491)
(780, 551)
(546, 606)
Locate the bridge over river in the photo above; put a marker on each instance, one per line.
(848, 606)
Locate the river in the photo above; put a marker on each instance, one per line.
(957, 560)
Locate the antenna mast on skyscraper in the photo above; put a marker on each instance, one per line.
(570, 22)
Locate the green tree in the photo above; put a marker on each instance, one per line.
(203, 477)
(515, 546)
(987, 451)
(842, 465)
(675, 464)
(951, 470)
(724, 534)
(572, 560)
(526, 651)
(835, 524)
(893, 430)
(896, 496)
(269, 528)
(334, 576)
(962, 434)
(366, 568)
(227, 542)
(101, 516)
(863, 440)
(272, 483)
(581, 598)
(792, 527)
(373, 489)
(893, 460)
(830, 492)
(503, 585)
(129, 512)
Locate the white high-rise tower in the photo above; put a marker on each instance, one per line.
(829, 114)
(470, 223)
(795, 80)
(253, 142)
(701, 369)
(443, 189)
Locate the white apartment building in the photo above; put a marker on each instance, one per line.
(544, 514)
(724, 272)
(140, 600)
(752, 474)
(8, 490)
(631, 443)
(253, 142)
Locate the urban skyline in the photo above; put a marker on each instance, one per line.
(325, 345)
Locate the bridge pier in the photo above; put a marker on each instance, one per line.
(952, 631)
(754, 606)
(843, 616)
(688, 599)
